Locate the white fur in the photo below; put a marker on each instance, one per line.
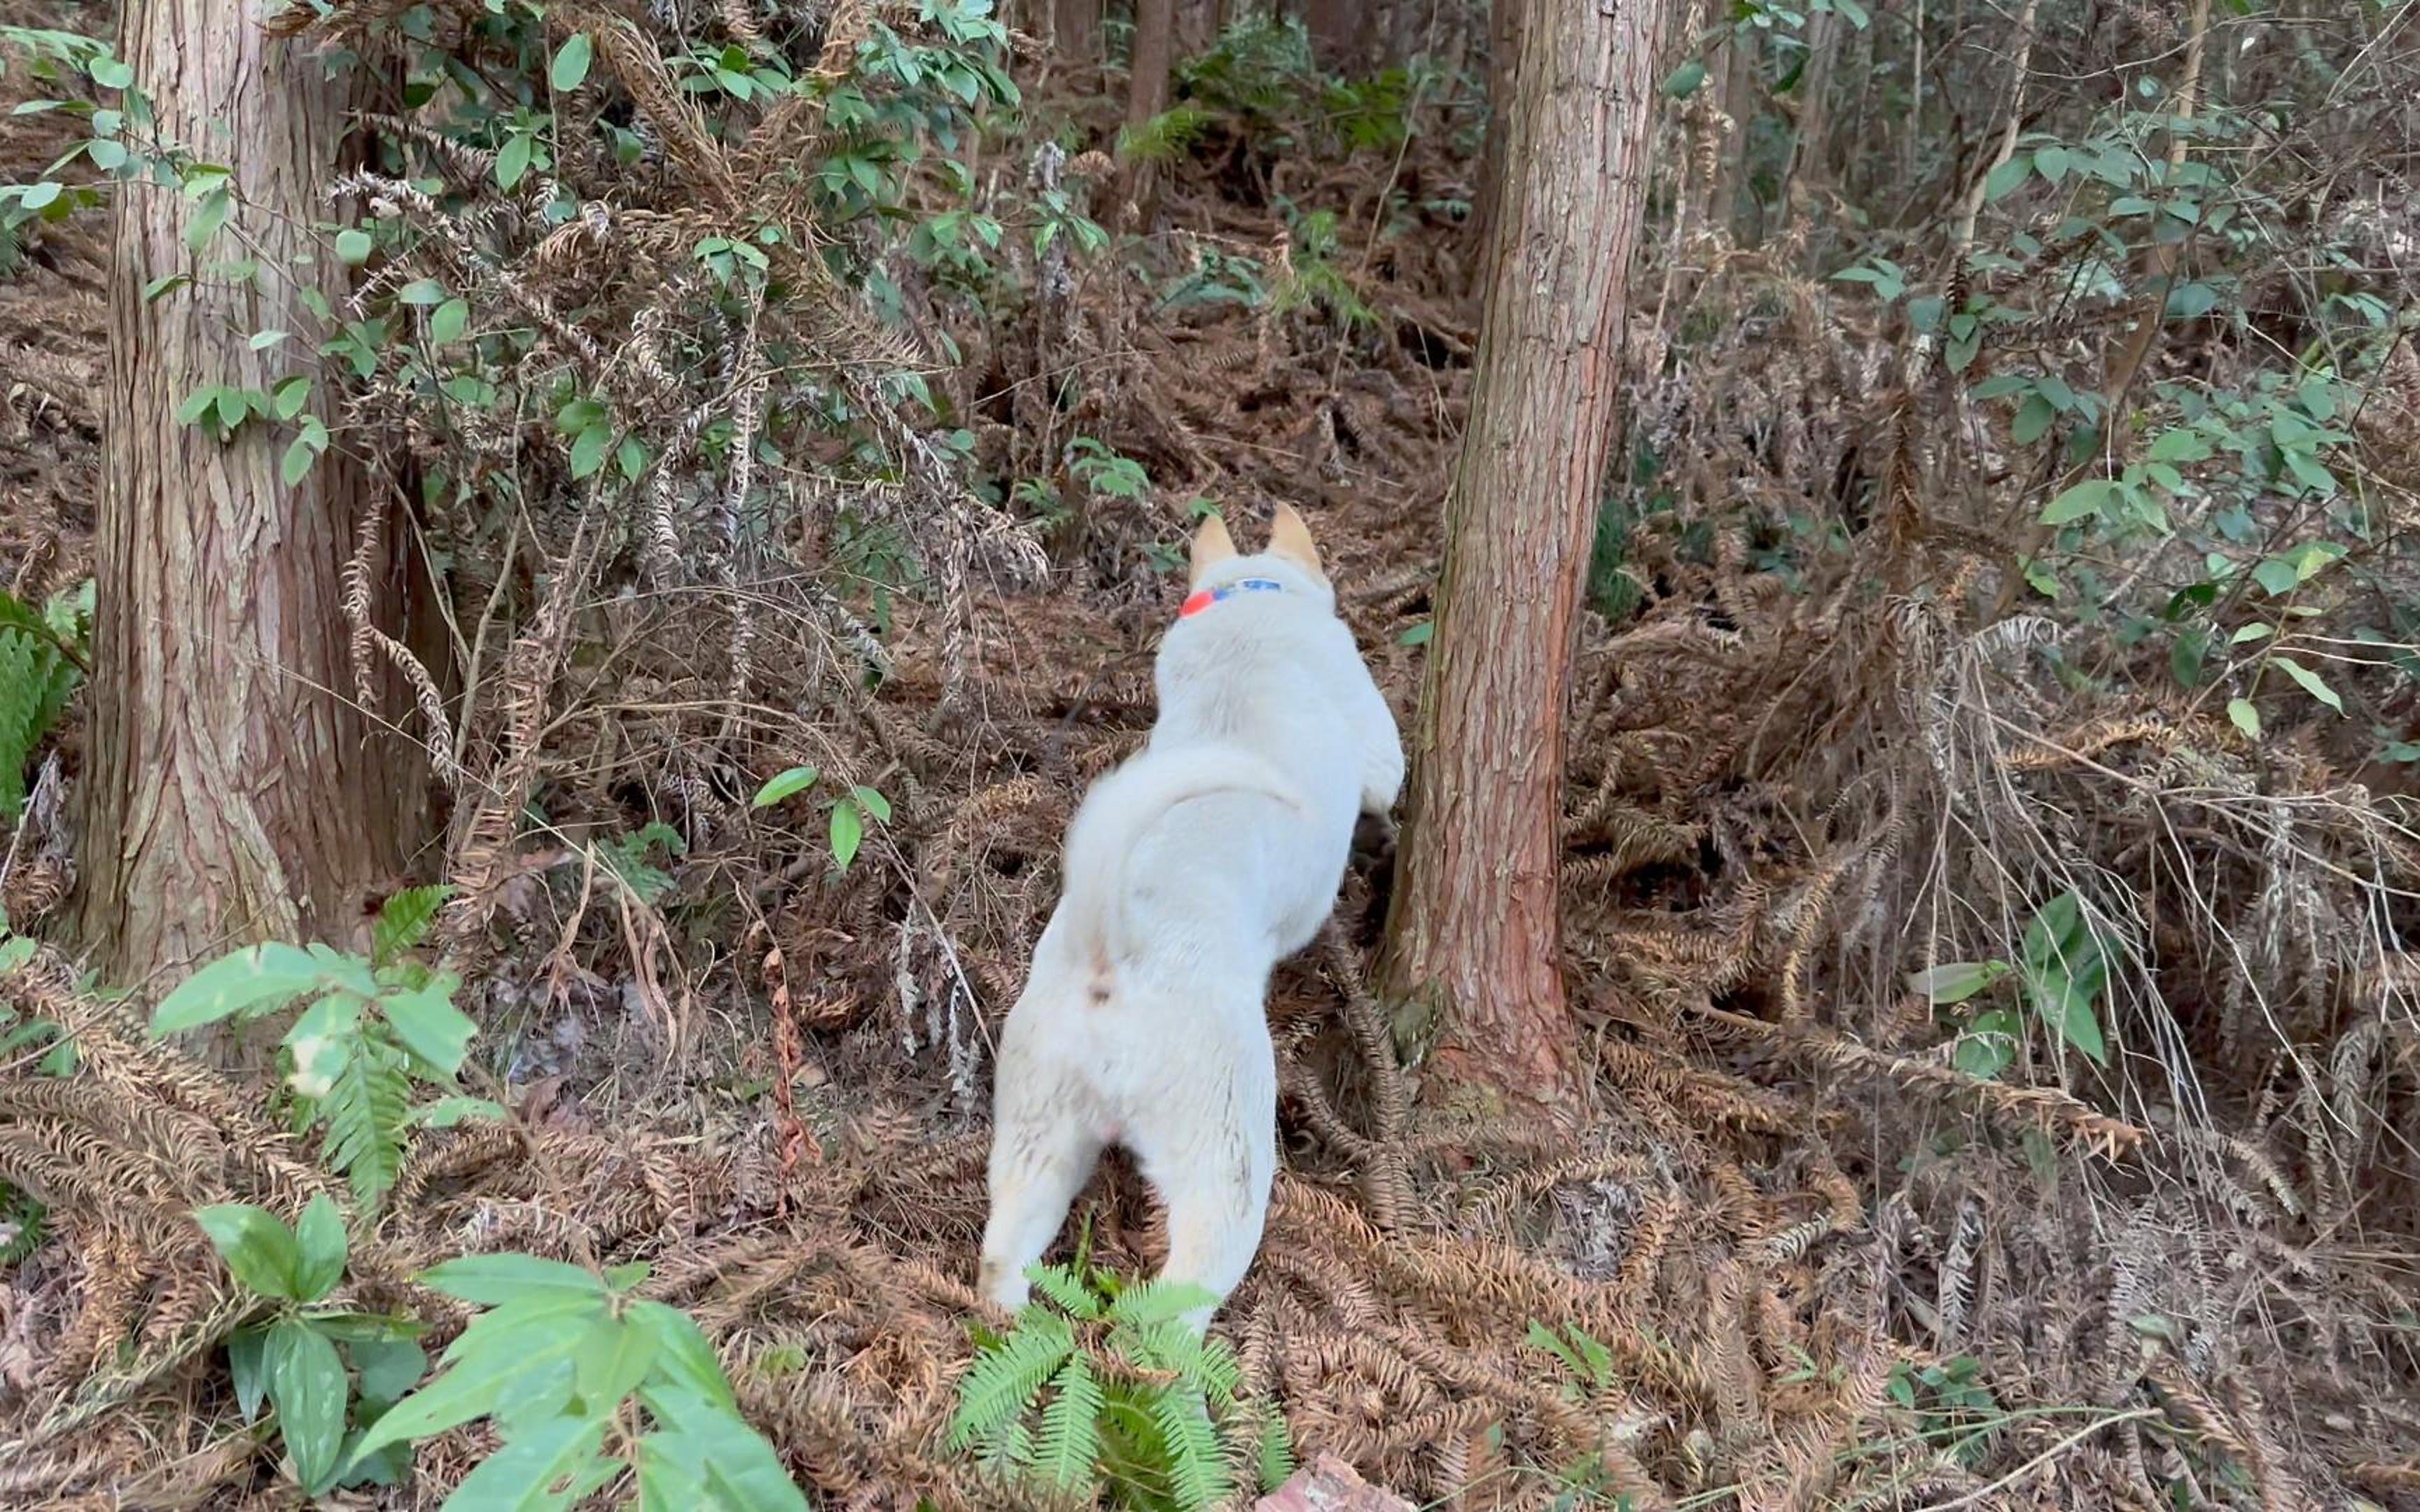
(1191, 871)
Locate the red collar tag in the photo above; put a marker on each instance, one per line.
(1208, 596)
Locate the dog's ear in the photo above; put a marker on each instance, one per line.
(1290, 538)
(1212, 545)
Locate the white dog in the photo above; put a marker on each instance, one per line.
(1191, 872)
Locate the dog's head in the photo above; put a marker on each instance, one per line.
(1290, 557)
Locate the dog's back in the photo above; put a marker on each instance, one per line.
(1191, 872)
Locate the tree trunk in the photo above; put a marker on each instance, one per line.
(1335, 27)
(1073, 26)
(1197, 25)
(1503, 62)
(233, 792)
(1146, 97)
(1472, 933)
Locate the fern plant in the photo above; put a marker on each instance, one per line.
(1165, 137)
(1106, 1388)
(41, 660)
(374, 1027)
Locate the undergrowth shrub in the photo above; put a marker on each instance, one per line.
(1107, 1390)
(42, 652)
(374, 1027)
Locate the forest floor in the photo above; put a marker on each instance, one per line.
(1828, 1267)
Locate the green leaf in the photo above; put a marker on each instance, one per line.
(448, 1111)
(2065, 969)
(2276, 577)
(2191, 301)
(1004, 1381)
(41, 195)
(522, 1475)
(291, 395)
(429, 1026)
(570, 69)
(364, 1114)
(208, 217)
(1989, 1045)
(250, 980)
(718, 1449)
(513, 161)
(1684, 81)
(588, 450)
(388, 1367)
(165, 284)
(481, 1378)
(323, 1042)
(2075, 502)
(2311, 681)
(2251, 632)
(2006, 178)
(1957, 981)
(262, 340)
(682, 1354)
(295, 465)
(786, 784)
(2052, 162)
(247, 1363)
(873, 802)
(1071, 1428)
(306, 1385)
(611, 1360)
(2247, 717)
(320, 1242)
(848, 830)
(2181, 444)
(495, 1280)
(449, 321)
(1418, 635)
(2033, 421)
(353, 247)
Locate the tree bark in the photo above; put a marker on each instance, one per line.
(1335, 27)
(1154, 24)
(1472, 931)
(234, 791)
(1503, 64)
(1073, 24)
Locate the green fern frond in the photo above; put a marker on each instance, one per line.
(1064, 1287)
(403, 922)
(1196, 1475)
(1165, 137)
(364, 1111)
(1210, 1367)
(1007, 1450)
(1160, 1301)
(1276, 1452)
(23, 1223)
(1071, 1428)
(1003, 1383)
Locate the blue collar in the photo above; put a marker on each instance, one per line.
(1208, 596)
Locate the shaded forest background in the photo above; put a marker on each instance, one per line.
(1988, 835)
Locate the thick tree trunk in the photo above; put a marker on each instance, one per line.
(1335, 27)
(1073, 26)
(234, 791)
(1146, 97)
(1473, 932)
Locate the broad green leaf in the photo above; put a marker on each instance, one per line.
(388, 1367)
(323, 1042)
(422, 292)
(2002, 385)
(570, 69)
(2033, 421)
(2191, 301)
(2065, 970)
(248, 1363)
(2074, 502)
(2007, 178)
(1957, 981)
(479, 1383)
(613, 1360)
(1988, 1045)
(784, 784)
(524, 1476)
(873, 802)
(428, 1023)
(2181, 444)
(291, 395)
(2312, 683)
(353, 246)
(208, 217)
(307, 1386)
(495, 1280)
(42, 194)
(848, 830)
(2251, 632)
(449, 320)
(1418, 635)
(256, 1246)
(2276, 577)
(683, 1356)
(1684, 81)
(295, 465)
(735, 1464)
(513, 161)
(2052, 162)
(588, 450)
(2247, 717)
(251, 979)
(260, 340)
(320, 1242)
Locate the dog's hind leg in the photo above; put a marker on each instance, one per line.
(1213, 1171)
(1041, 1157)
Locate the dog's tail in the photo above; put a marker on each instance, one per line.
(1126, 803)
